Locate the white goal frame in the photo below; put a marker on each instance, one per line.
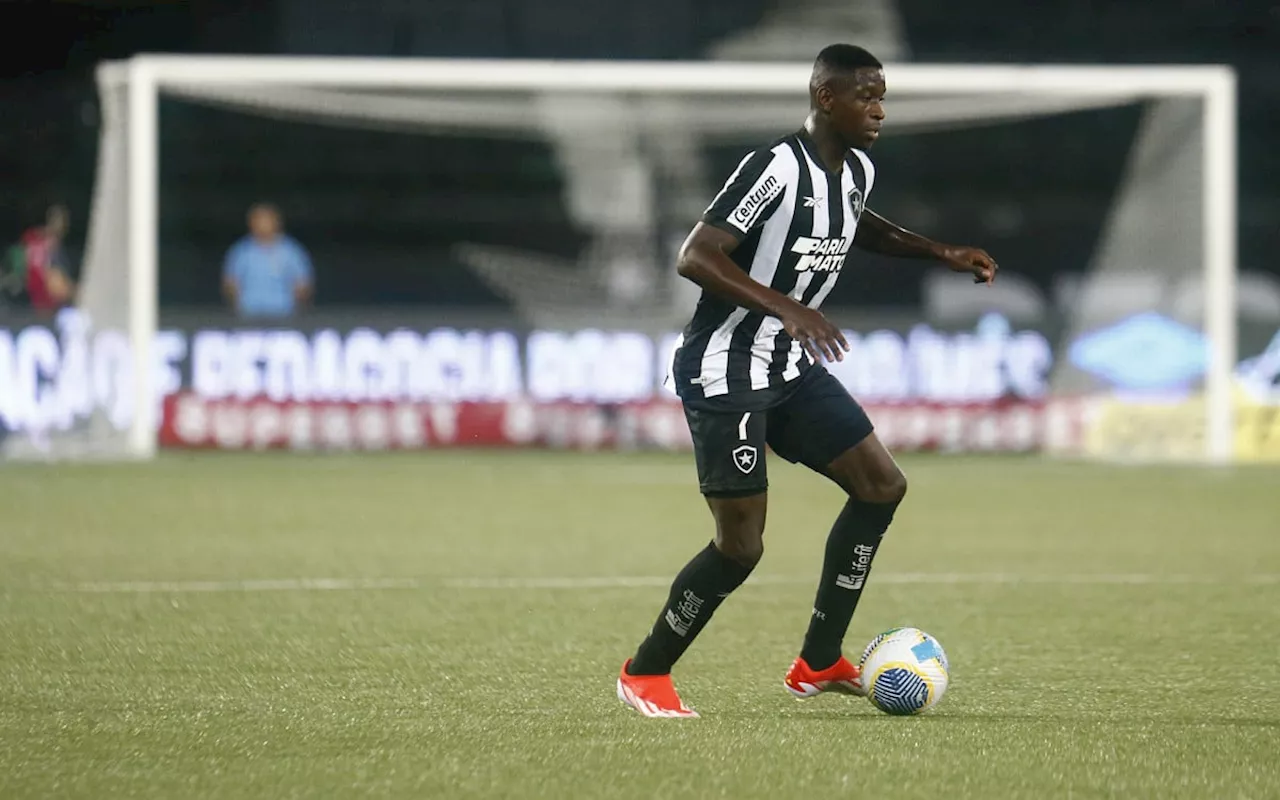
(147, 75)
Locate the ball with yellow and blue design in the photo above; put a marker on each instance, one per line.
(905, 671)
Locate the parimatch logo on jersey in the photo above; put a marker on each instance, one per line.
(820, 255)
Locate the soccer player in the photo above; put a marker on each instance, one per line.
(748, 370)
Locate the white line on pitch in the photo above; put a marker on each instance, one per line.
(1132, 578)
(893, 578)
(645, 581)
(272, 585)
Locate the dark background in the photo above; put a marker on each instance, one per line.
(396, 202)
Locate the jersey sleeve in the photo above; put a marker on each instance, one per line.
(750, 195)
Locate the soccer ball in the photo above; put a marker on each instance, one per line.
(905, 671)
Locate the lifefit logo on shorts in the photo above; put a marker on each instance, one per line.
(744, 458)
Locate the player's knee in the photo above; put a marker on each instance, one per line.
(885, 488)
(882, 486)
(893, 490)
(744, 548)
(740, 531)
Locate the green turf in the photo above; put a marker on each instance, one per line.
(1162, 680)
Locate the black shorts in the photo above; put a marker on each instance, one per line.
(813, 426)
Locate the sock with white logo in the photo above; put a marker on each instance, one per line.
(851, 547)
(697, 592)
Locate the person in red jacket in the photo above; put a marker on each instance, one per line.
(40, 264)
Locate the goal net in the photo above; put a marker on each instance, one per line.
(554, 194)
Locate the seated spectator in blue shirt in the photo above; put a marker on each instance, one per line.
(267, 273)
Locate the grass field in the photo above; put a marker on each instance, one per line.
(450, 626)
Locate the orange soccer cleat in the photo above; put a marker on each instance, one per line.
(651, 695)
(804, 681)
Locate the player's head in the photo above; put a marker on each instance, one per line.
(847, 88)
(264, 221)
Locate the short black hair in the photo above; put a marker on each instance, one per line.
(846, 58)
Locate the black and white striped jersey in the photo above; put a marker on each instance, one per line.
(795, 222)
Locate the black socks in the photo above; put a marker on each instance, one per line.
(851, 546)
(697, 592)
(711, 576)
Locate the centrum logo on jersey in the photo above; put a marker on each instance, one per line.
(753, 202)
(820, 255)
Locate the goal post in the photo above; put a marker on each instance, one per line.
(748, 96)
(144, 83)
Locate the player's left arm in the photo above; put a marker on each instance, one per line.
(878, 235)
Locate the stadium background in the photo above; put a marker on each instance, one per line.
(385, 215)
(1037, 193)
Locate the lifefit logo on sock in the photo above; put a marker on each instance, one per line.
(861, 563)
(682, 617)
(744, 458)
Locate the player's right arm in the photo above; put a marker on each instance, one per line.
(704, 259)
(748, 198)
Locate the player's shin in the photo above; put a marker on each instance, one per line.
(851, 547)
(695, 595)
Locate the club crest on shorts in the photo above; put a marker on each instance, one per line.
(744, 458)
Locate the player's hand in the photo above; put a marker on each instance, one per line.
(820, 339)
(974, 261)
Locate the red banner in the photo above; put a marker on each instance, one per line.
(191, 421)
